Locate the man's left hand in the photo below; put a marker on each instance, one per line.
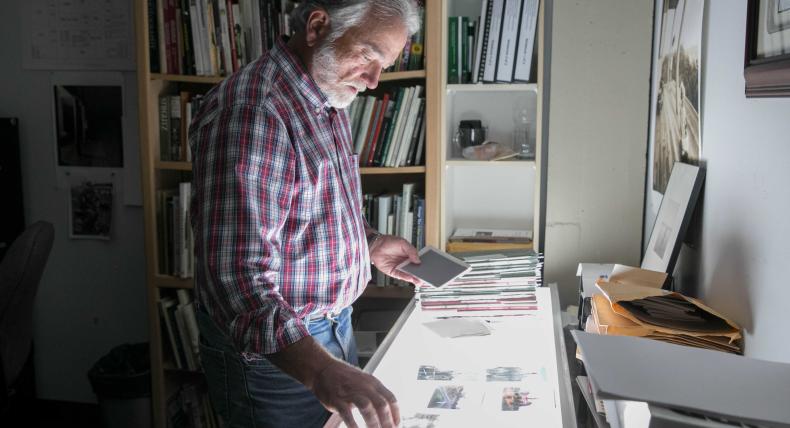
(390, 251)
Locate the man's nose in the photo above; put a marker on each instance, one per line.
(371, 76)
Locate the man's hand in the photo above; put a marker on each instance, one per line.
(340, 387)
(390, 251)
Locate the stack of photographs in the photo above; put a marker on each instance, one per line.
(503, 282)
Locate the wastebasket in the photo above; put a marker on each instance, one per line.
(122, 382)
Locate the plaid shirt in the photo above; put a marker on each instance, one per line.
(276, 206)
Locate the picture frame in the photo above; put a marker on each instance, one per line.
(766, 67)
(673, 218)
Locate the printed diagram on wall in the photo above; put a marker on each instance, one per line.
(677, 122)
(89, 125)
(90, 210)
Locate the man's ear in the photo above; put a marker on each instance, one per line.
(317, 27)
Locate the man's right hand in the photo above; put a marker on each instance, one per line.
(340, 387)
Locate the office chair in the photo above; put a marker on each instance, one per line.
(20, 272)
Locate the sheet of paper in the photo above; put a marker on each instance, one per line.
(676, 376)
(589, 273)
(458, 327)
(78, 35)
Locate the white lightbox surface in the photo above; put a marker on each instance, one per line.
(506, 379)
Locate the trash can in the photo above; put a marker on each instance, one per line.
(122, 382)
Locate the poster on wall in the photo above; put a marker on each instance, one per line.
(90, 210)
(676, 122)
(88, 125)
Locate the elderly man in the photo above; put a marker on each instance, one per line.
(282, 249)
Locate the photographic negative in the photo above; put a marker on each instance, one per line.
(513, 399)
(447, 397)
(90, 210)
(677, 122)
(88, 125)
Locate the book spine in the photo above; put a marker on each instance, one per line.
(507, 46)
(164, 128)
(494, 34)
(153, 38)
(452, 50)
(482, 40)
(526, 41)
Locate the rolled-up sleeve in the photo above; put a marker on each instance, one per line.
(243, 176)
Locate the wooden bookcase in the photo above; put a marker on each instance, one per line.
(157, 174)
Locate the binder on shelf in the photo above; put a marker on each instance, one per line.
(481, 40)
(494, 34)
(509, 38)
(526, 40)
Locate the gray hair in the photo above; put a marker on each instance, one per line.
(345, 14)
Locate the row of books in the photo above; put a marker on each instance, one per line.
(190, 407)
(175, 115)
(217, 37)
(175, 242)
(180, 331)
(495, 47)
(400, 214)
(212, 37)
(389, 131)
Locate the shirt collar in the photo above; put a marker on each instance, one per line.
(296, 70)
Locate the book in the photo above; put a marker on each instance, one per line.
(452, 50)
(493, 34)
(481, 41)
(526, 41)
(168, 321)
(507, 46)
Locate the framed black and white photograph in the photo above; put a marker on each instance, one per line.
(90, 210)
(676, 122)
(89, 125)
(767, 54)
(673, 218)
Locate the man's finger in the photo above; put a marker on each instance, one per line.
(369, 414)
(414, 256)
(393, 404)
(348, 418)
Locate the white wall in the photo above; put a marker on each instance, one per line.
(92, 295)
(738, 265)
(600, 67)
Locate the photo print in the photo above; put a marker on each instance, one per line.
(432, 373)
(420, 420)
(447, 397)
(677, 108)
(90, 210)
(506, 374)
(513, 399)
(88, 126)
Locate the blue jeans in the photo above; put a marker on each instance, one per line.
(257, 393)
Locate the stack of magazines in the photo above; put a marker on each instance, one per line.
(503, 282)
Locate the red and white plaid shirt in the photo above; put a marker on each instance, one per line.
(276, 205)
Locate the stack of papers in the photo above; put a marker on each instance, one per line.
(466, 240)
(502, 281)
(633, 304)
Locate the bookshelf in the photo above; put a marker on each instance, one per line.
(158, 174)
(488, 194)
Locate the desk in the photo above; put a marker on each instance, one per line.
(524, 356)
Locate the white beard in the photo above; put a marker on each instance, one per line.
(325, 71)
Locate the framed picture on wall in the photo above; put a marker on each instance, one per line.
(767, 55)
